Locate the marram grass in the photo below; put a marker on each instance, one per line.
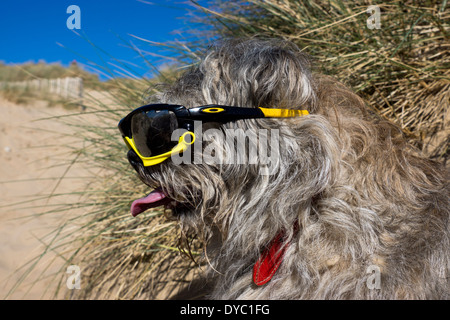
(401, 69)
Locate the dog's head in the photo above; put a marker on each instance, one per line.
(244, 171)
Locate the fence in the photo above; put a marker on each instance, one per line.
(67, 88)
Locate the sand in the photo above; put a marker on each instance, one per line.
(32, 160)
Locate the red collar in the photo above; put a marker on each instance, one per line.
(271, 258)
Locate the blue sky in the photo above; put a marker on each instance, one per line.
(31, 30)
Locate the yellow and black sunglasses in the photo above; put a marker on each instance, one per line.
(148, 130)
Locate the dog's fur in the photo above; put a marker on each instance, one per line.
(360, 194)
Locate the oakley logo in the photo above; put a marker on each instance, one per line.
(232, 146)
(213, 110)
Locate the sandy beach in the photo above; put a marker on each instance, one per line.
(34, 157)
(32, 161)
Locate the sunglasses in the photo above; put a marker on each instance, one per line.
(148, 130)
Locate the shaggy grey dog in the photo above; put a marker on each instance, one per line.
(354, 211)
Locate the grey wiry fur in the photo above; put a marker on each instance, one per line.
(362, 197)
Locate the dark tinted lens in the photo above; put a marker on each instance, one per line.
(152, 132)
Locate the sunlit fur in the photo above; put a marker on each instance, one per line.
(361, 195)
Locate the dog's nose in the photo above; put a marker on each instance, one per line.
(134, 159)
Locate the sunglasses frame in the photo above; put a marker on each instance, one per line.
(186, 118)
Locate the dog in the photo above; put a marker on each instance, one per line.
(348, 210)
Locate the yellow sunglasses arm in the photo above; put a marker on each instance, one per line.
(283, 113)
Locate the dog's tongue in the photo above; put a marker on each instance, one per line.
(155, 199)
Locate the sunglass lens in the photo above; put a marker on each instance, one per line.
(152, 131)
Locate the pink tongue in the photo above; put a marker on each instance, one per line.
(155, 199)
